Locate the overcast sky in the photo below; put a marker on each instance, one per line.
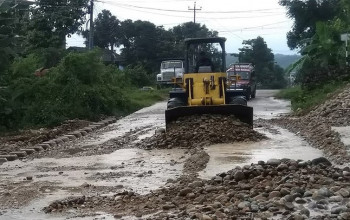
(237, 20)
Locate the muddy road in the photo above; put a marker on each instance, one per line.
(106, 162)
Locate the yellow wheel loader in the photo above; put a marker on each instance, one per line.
(203, 89)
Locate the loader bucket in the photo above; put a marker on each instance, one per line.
(243, 113)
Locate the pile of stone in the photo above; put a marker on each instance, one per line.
(316, 126)
(335, 111)
(29, 138)
(202, 130)
(279, 189)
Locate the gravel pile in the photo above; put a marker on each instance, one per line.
(203, 130)
(335, 111)
(316, 125)
(29, 138)
(280, 189)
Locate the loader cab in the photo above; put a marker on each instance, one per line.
(214, 49)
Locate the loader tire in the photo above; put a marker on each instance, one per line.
(238, 100)
(174, 102)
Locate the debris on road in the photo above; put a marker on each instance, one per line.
(32, 137)
(283, 189)
(199, 131)
(316, 125)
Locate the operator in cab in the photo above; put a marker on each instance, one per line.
(204, 64)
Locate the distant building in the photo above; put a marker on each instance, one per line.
(291, 78)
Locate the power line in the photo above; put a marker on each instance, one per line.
(182, 16)
(268, 10)
(235, 35)
(140, 7)
(155, 13)
(194, 9)
(260, 26)
(152, 1)
(255, 29)
(246, 17)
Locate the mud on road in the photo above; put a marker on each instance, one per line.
(117, 161)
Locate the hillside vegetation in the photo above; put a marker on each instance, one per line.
(80, 86)
(322, 68)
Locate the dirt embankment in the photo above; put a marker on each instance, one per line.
(316, 125)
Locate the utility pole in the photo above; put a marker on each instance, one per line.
(91, 32)
(346, 53)
(194, 9)
(346, 38)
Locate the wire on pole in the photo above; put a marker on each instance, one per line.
(194, 9)
(91, 32)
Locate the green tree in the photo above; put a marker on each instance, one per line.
(106, 31)
(306, 13)
(324, 53)
(257, 52)
(6, 36)
(12, 19)
(52, 21)
(323, 56)
(190, 30)
(140, 42)
(146, 44)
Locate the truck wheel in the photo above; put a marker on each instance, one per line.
(247, 96)
(254, 94)
(174, 102)
(238, 100)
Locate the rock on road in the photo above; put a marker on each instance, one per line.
(106, 162)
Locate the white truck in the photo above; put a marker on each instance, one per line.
(170, 69)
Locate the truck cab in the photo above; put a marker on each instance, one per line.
(242, 80)
(170, 69)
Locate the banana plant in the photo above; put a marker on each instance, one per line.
(324, 47)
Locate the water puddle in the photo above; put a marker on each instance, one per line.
(134, 169)
(150, 117)
(269, 107)
(126, 167)
(282, 144)
(344, 133)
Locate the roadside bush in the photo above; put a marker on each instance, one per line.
(138, 76)
(303, 100)
(25, 67)
(79, 87)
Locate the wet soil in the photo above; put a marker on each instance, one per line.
(111, 161)
(23, 139)
(275, 189)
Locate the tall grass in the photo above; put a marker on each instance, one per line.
(140, 99)
(303, 100)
